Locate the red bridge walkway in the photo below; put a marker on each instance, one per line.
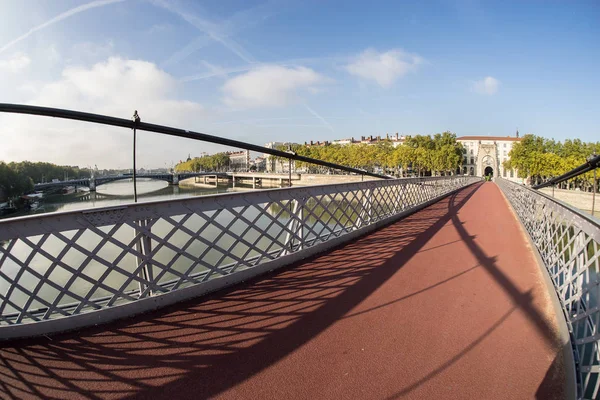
(447, 303)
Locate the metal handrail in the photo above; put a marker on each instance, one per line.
(75, 268)
(166, 130)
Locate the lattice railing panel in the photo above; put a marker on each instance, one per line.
(569, 244)
(65, 264)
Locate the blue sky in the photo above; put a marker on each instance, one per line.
(293, 71)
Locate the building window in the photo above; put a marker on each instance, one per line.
(504, 173)
(472, 162)
(471, 152)
(504, 145)
(512, 173)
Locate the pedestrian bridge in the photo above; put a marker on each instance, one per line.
(411, 288)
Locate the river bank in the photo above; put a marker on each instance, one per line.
(305, 180)
(575, 198)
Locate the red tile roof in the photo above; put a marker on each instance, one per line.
(509, 138)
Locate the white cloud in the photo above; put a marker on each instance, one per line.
(384, 68)
(114, 87)
(487, 85)
(270, 86)
(16, 63)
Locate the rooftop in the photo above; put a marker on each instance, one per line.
(505, 138)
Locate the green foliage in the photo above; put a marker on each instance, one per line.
(214, 163)
(423, 154)
(45, 171)
(13, 182)
(17, 178)
(541, 158)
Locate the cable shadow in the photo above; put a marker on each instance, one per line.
(454, 359)
(553, 384)
(200, 348)
(520, 300)
(412, 294)
(445, 244)
(542, 325)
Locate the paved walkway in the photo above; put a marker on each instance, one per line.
(447, 303)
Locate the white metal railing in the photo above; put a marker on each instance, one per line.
(568, 242)
(65, 270)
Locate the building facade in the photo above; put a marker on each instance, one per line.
(239, 160)
(395, 140)
(485, 155)
(275, 165)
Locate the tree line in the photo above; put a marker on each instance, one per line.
(439, 154)
(540, 159)
(17, 178)
(213, 163)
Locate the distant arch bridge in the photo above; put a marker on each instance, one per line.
(92, 183)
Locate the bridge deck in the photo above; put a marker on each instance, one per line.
(448, 303)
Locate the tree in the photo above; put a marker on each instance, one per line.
(539, 159)
(14, 183)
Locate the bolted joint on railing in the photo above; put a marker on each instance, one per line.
(136, 119)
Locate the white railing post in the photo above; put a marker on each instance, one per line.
(294, 227)
(144, 247)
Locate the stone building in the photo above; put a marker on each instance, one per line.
(485, 155)
(239, 160)
(275, 165)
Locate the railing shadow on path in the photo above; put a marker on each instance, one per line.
(552, 385)
(203, 347)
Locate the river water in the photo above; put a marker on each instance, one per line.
(120, 192)
(213, 248)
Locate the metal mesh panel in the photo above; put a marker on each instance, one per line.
(65, 264)
(569, 244)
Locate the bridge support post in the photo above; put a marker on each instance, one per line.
(175, 180)
(143, 245)
(294, 238)
(92, 184)
(365, 215)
